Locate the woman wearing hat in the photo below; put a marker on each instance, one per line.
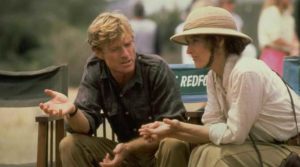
(244, 97)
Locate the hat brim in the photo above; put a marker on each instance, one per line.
(180, 38)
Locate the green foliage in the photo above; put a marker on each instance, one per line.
(167, 22)
(35, 34)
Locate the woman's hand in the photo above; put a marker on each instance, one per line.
(159, 130)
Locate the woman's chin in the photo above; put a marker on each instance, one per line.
(198, 65)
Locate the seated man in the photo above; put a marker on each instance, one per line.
(132, 90)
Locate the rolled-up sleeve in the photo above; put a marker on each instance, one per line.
(87, 98)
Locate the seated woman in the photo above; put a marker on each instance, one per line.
(245, 98)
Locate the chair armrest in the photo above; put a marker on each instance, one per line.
(194, 117)
(47, 118)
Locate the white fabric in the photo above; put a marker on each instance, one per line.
(250, 96)
(238, 21)
(145, 34)
(273, 25)
(250, 51)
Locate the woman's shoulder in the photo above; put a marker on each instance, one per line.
(249, 65)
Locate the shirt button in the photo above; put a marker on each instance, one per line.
(126, 113)
(121, 95)
(134, 129)
(150, 118)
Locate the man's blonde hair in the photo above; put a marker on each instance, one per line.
(107, 27)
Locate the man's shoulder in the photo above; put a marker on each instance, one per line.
(91, 60)
(93, 65)
(150, 60)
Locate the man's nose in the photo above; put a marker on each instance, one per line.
(125, 52)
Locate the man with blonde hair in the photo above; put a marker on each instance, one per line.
(131, 89)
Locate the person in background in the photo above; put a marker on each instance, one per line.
(276, 33)
(245, 98)
(185, 57)
(230, 5)
(146, 32)
(131, 89)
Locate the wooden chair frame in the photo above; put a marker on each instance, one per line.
(27, 90)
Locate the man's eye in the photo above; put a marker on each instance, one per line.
(128, 44)
(115, 49)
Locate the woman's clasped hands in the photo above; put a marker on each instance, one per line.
(159, 129)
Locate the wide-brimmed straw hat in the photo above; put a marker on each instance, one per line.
(209, 21)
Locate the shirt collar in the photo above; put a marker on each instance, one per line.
(138, 71)
(229, 65)
(222, 84)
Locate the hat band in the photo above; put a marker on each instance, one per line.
(223, 22)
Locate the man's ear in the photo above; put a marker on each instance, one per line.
(98, 52)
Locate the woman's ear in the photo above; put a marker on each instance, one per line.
(221, 42)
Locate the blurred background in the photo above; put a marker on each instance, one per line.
(35, 34)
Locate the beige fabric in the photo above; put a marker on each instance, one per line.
(209, 20)
(85, 151)
(243, 155)
(172, 153)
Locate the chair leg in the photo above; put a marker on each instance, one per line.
(60, 133)
(51, 144)
(42, 150)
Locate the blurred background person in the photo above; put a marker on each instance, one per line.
(230, 5)
(146, 31)
(186, 58)
(276, 33)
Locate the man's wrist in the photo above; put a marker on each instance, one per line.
(74, 112)
(126, 149)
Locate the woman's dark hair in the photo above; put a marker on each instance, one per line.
(233, 45)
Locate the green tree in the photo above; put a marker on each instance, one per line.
(35, 34)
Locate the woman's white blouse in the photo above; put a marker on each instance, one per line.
(249, 97)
